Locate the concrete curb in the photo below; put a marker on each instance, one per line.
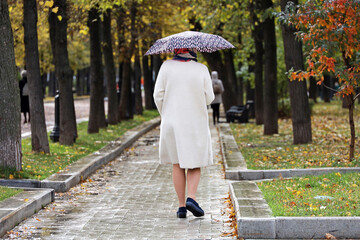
(253, 215)
(21, 206)
(81, 169)
(286, 173)
(252, 225)
(235, 165)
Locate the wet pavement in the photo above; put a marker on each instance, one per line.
(133, 197)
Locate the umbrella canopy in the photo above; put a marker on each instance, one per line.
(202, 42)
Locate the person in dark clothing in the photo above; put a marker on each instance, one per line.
(24, 96)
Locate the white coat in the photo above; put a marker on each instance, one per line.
(182, 92)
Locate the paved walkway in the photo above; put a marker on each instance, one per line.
(133, 198)
(81, 105)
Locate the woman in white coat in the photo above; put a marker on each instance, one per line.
(182, 92)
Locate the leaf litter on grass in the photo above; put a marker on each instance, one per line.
(333, 194)
(329, 147)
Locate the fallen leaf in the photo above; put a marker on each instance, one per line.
(329, 236)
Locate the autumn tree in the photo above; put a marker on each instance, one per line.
(331, 31)
(226, 21)
(39, 139)
(300, 109)
(270, 74)
(10, 130)
(126, 101)
(256, 9)
(58, 21)
(97, 113)
(109, 68)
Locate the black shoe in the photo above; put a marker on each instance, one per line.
(194, 207)
(181, 213)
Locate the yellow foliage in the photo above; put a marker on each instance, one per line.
(49, 4)
(55, 10)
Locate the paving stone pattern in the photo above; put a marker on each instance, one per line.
(133, 197)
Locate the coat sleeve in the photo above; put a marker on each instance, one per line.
(159, 89)
(209, 92)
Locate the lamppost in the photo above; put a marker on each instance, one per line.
(55, 134)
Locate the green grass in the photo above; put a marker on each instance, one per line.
(329, 148)
(6, 192)
(297, 197)
(40, 165)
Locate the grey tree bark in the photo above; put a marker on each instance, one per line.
(39, 138)
(126, 100)
(257, 34)
(63, 72)
(137, 83)
(270, 86)
(148, 82)
(121, 30)
(300, 109)
(109, 69)
(97, 112)
(10, 128)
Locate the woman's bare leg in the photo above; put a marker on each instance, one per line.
(193, 179)
(179, 180)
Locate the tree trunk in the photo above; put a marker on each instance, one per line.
(148, 82)
(97, 113)
(126, 100)
(121, 29)
(10, 120)
(137, 80)
(63, 73)
(257, 34)
(324, 88)
(300, 109)
(231, 76)
(270, 93)
(52, 85)
(250, 90)
(155, 65)
(351, 105)
(39, 138)
(110, 69)
(312, 89)
(239, 78)
(125, 107)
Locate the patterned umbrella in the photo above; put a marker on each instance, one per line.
(202, 42)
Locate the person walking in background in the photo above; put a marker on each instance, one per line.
(24, 95)
(218, 90)
(182, 92)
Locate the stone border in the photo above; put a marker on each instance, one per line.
(235, 165)
(255, 221)
(254, 217)
(21, 206)
(81, 169)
